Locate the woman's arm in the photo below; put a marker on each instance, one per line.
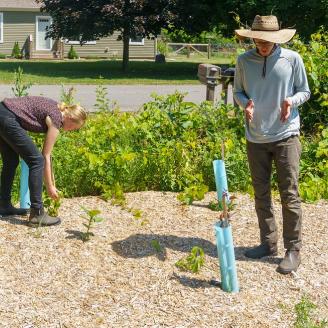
(48, 145)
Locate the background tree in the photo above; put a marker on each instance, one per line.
(92, 19)
(304, 15)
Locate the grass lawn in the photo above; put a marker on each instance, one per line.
(103, 71)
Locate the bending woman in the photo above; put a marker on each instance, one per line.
(34, 114)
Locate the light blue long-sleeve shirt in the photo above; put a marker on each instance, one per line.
(285, 78)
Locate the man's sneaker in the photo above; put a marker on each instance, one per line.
(38, 217)
(290, 263)
(6, 209)
(261, 251)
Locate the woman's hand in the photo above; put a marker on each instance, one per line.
(249, 109)
(53, 192)
(285, 110)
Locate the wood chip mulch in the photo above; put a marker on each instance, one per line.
(49, 278)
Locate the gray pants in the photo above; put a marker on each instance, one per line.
(286, 156)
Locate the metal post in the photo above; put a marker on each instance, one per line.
(225, 86)
(210, 92)
(211, 84)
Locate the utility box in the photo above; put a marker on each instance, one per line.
(208, 73)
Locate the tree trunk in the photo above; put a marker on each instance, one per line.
(126, 41)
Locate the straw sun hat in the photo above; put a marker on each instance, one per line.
(266, 28)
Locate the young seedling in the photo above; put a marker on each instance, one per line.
(156, 245)
(194, 192)
(37, 232)
(225, 215)
(52, 206)
(114, 193)
(68, 96)
(20, 88)
(91, 219)
(193, 262)
(218, 206)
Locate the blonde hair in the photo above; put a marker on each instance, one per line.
(75, 112)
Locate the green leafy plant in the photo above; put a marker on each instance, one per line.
(162, 47)
(115, 193)
(218, 205)
(314, 112)
(68, 96)
(136, 213)
(52, 205)
(156, 245)
(304, 318)
(20, 88)
(103, 104)
(195, 192)
(169, 145)
(90, 220)
(193, 262)
(16, 52)
(314, 168)
(72, 54)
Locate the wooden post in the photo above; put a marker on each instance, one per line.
(188, 51)
(209, 51)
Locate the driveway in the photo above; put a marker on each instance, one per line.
(128, 97)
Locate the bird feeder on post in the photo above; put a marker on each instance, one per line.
(209, 75)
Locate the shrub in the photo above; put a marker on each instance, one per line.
(16, 52)
(168, 146)
(314, 167)
(162, 48)
(72, 54)
(314, 112)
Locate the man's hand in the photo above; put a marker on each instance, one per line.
(249, 109)
(285, 110)
(52, 192)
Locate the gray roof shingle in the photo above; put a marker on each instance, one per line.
(19, 4)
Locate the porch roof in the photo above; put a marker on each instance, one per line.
(19, 5)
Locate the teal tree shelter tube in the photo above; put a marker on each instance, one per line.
(224, 244)
(220, 179)
(24, 192)
(223, 233)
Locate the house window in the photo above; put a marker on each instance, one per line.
(78, 42)
(137, 41)
(1, 27)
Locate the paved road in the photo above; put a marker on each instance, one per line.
(128, 97)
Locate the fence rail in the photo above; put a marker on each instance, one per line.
(206, 50)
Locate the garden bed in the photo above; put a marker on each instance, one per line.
(50, 278)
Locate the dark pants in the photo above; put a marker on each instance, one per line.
(286, 156)
(15, 142)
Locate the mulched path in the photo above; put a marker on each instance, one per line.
(49, 278)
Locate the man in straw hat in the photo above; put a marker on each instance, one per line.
(270, 83)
